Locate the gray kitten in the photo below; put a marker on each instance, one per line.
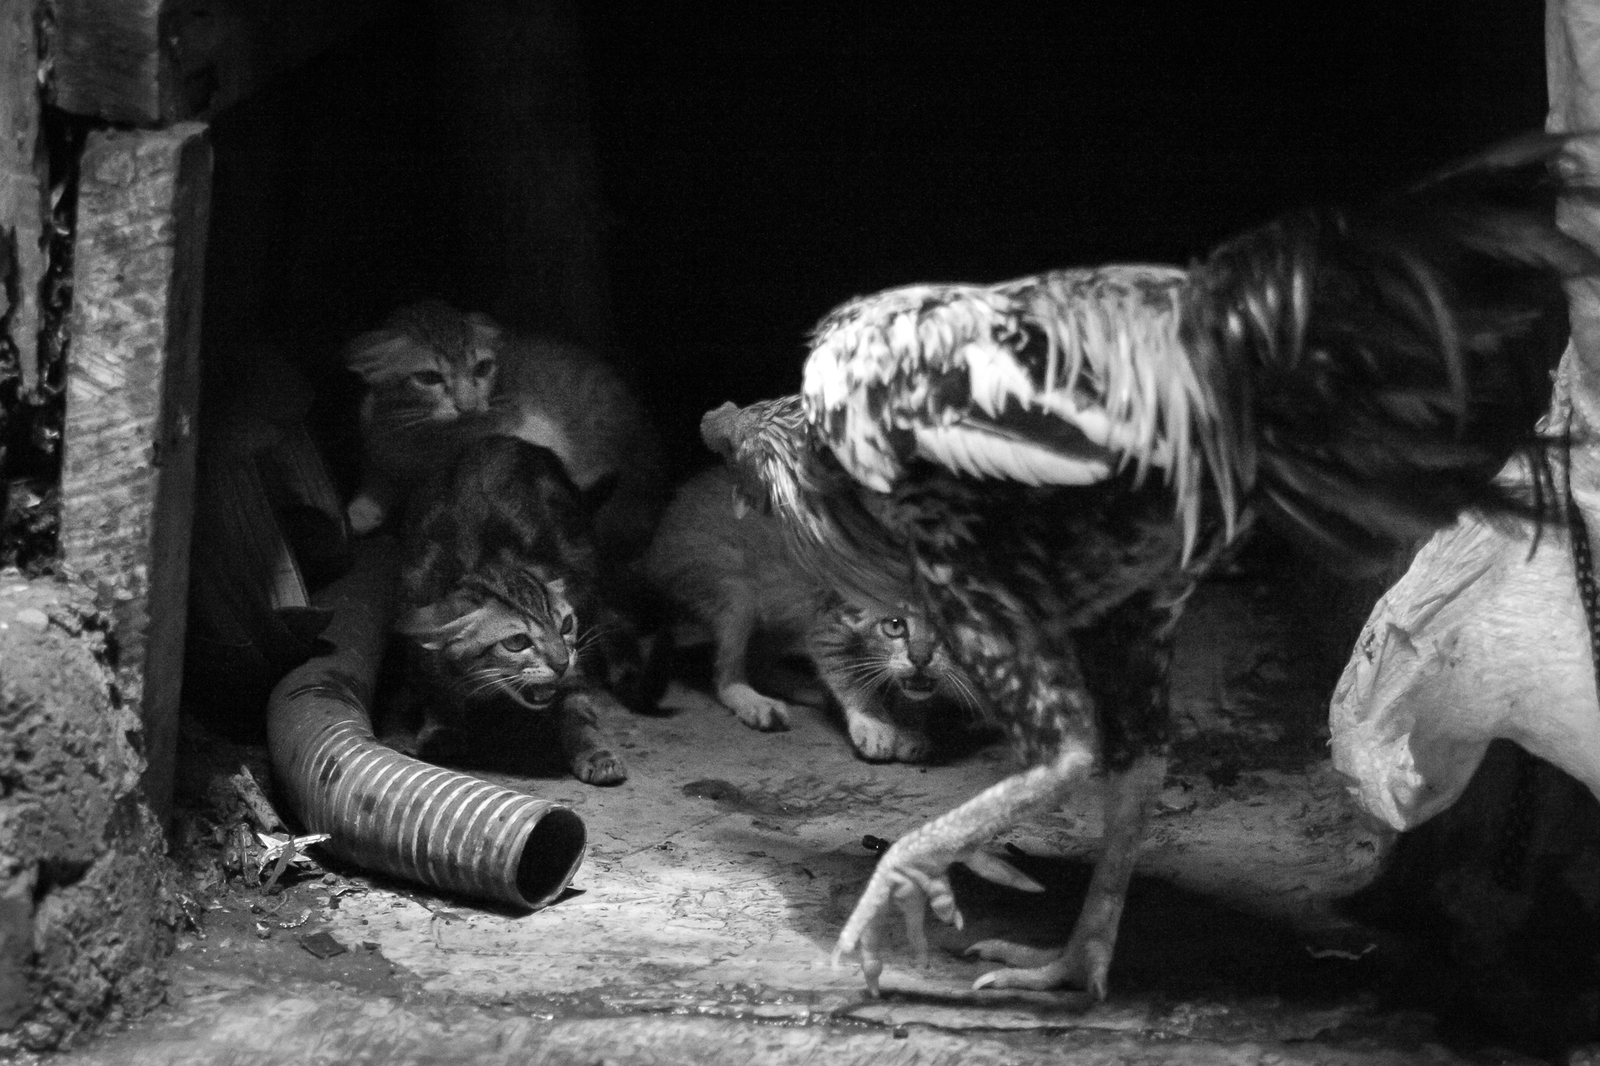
(730, 569)
(437, 377)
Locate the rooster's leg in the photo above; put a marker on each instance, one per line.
(1124, 662)
(912, 875)
(1086, 959)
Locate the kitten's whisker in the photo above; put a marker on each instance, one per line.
(484, 676)
(404, 419)
(589, 635)
(501, 684)
(863, 671)
(600, 628)
(959, 685)
(968, 696)
(486, 685)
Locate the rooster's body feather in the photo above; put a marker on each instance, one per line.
(1050, 464)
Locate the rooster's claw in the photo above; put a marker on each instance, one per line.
(913, 884)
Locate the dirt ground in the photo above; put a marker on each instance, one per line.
(698, 929)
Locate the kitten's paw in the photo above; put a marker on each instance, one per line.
(599, 767)
(881, 741)
(755, 710)
(365, 513)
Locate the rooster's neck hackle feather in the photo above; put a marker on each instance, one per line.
(780, 468)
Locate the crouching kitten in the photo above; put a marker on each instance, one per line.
(732, 572)
(500, 604)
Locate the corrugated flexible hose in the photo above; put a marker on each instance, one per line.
(384, 810)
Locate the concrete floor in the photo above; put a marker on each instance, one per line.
(699, 928)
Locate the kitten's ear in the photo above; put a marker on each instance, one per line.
(853, 614)
(378, 356)
(440, 624)
(486, 331)
(596, 496)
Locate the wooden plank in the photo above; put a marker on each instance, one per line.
(1572, 57)
(23, 179)
(132, 390)
(155, 62)
(105, 57)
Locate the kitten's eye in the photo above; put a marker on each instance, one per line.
(517, 642)
(429, 378)
(566, 625)
(893, 627)
(483, 369)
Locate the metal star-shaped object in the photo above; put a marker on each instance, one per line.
(284, 850)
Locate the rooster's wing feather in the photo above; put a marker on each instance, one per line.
(1063, 378)
(1359, 375)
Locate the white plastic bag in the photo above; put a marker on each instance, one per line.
(1478, 640)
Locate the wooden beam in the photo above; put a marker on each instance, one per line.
(155, 62)
(23, 180)
(127, 486)
(1572, 56)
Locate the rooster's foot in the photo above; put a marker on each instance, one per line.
(1083, 963)
(1022, 956)
(912, 881)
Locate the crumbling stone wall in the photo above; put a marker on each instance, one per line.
(87, 905)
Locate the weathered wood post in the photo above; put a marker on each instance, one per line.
(90, 676)
(133, 391)
(22, 183)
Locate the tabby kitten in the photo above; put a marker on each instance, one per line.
(437, 377)
(730, 570)
(883, 669)
(499, 600)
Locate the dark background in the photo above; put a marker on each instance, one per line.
(765, 161)
(756, 163)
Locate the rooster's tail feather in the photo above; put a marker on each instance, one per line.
(1375, 371)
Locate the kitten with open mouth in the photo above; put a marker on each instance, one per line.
(727, 567)
(501, 606)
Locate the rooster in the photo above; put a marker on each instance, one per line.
(1051, 464)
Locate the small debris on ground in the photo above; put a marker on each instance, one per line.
(323, 945)
(283, 851)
